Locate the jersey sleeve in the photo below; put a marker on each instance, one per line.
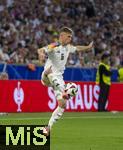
(51, 46)
(72, 48)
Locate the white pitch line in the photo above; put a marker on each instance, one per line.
(77, 117)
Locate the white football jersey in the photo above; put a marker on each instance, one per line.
(58, 58)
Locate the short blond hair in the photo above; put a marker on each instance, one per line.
(66, 30)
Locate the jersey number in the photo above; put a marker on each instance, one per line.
(62, 56)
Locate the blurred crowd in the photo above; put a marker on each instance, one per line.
(26, 25)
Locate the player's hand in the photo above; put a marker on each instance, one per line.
(91, 45)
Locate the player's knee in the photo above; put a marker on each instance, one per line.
(46, 83)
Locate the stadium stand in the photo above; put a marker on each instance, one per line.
(26, 25)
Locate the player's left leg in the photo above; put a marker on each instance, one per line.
(58, 112)
(62, 98)
(56, 115)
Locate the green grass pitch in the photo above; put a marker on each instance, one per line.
(77, 131)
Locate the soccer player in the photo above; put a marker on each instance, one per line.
(52, 75)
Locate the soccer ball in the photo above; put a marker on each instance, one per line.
(71, 89)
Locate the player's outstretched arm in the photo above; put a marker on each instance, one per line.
(83, 48)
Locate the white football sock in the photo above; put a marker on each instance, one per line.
(56, 115)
